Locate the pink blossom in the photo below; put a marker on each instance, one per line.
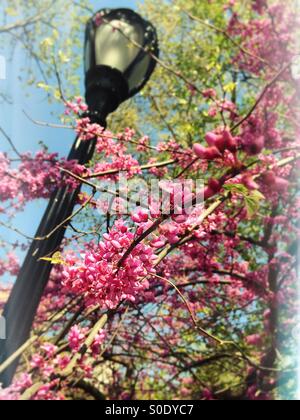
(121, 163)
(76, 338)
(76, 107)
(98, 277)
(143, 143)
(221, 141)
(208, 153)
(209, 93)
(254, 340)
(15, 391)
(36, 177)
(50, 349)
(249, 182)
(259, 5)
(87, 130)
(47, 393)
(37, 361)
(98, 342)
(141, 216)
(275, 182)
(158, 243)
(10, 265)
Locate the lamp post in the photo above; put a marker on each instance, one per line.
(119, 50)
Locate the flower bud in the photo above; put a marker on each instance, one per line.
(199, 150)
(249, 182)
(211, 138)
(181, 218)
(281, 185)
(230, 141)
(215, 185)
(206, 153)
(212, 189)
(255, 147)
(269, 178)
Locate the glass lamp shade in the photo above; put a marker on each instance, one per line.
(120, 47)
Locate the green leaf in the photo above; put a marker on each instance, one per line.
(252, 198)
(229, 88)
(44, 86)
(237, 188)
(56, 259)
(253, 202)
(63, 57)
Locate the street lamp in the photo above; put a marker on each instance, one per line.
(120, 51)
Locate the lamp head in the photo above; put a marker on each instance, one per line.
(120, 51)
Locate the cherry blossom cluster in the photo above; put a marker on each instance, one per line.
(77, 107)
(235, 267)
(46, 366)
(9, 265)
(125, 163)
(269, 39)
(45, 362)
(14, 392)
(48, 361)
(35, 177)
(218, 143)
(99, 278)
(77, 336)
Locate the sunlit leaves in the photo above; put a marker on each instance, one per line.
(56, 259)
(252, 198)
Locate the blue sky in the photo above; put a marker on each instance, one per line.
(25, 134)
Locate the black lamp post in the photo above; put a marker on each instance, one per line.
(119, 51)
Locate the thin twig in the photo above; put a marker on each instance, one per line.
(142, 168)
(261, 97)
(6, 136)
(47, 124)
(204, 332)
